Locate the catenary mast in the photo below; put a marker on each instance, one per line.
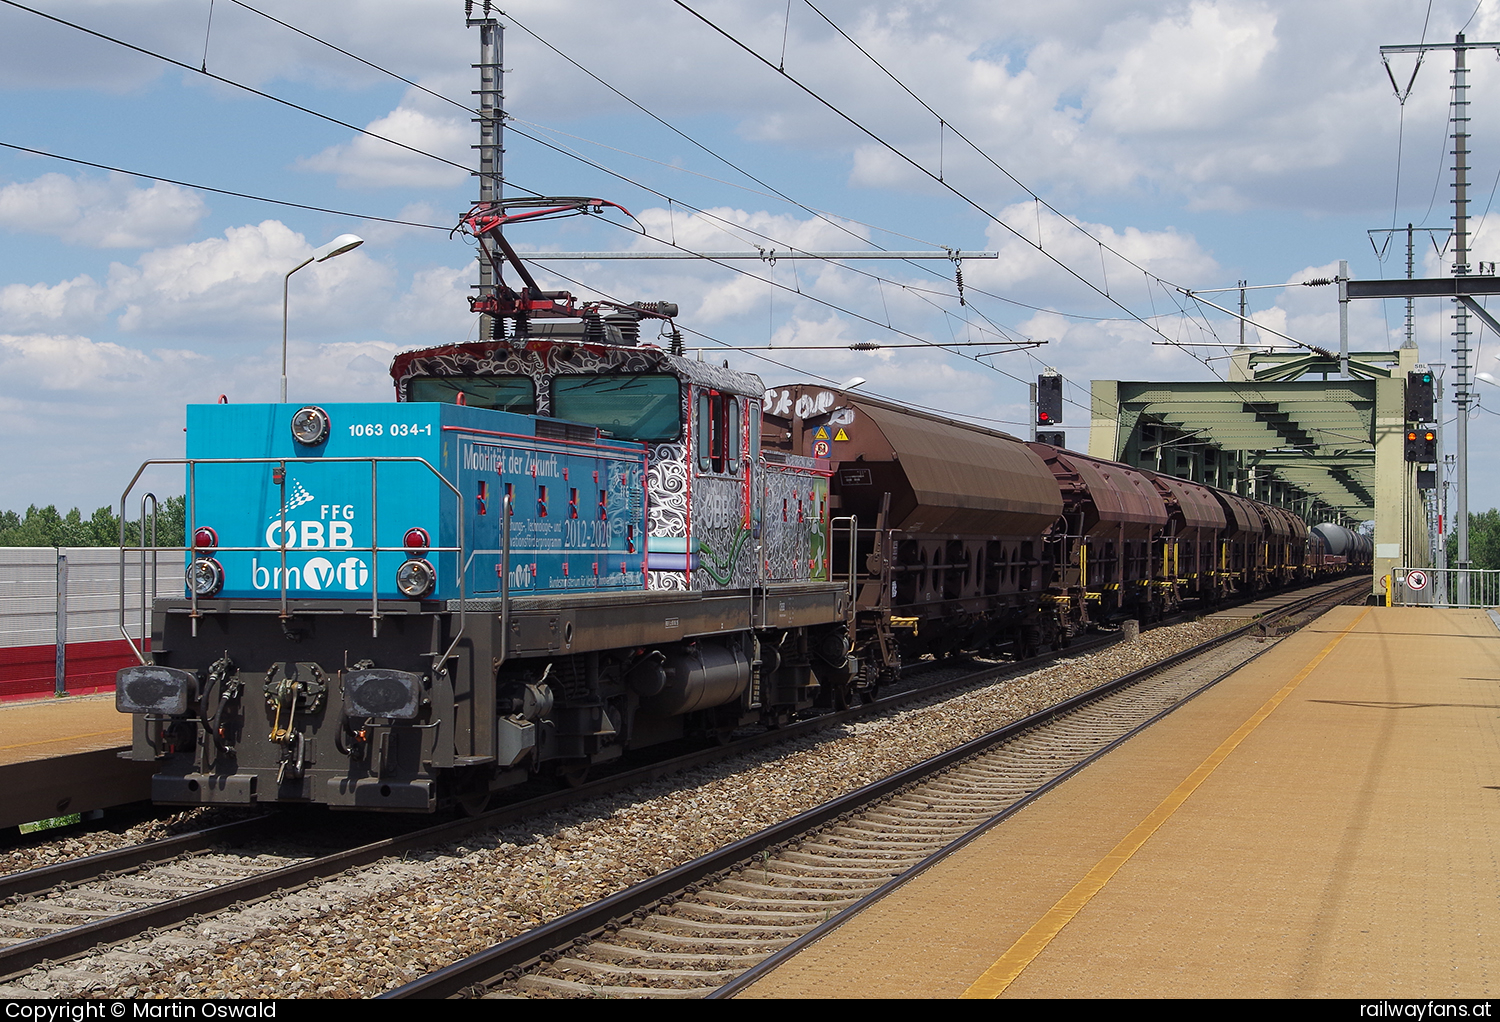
(491, 121)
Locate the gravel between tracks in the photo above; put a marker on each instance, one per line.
(80, 843)
(362, 933)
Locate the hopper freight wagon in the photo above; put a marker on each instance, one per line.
(970, 539)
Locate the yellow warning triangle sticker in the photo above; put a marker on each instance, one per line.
(821, 434)
(842, 435)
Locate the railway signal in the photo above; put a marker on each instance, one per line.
(1049, 403)
(1421, 446)
(1419, 399)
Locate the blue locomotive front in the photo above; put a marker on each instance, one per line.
(545, 553)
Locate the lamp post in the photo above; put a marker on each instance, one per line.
(338, 246)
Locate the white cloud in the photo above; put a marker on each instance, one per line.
(349, 371)
(436, 305)
(1192, 69)
(112, 213)
(368, 162)
(219, 286)
(1034, 240)
(220, 290)
(50, 366)
(31, 306)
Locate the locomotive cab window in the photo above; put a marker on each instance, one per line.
(717, 428)
(503, 393)
(637, 406)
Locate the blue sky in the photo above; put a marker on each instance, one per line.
(1205, 142)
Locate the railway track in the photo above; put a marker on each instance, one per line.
(56, 912)
(710, 926)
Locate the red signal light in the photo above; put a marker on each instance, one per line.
(416, 539)
(205, 538)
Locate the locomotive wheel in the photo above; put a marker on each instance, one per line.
(574, 776)
(474, 804)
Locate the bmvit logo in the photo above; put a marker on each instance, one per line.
(350, 574)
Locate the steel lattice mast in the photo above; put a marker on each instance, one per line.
(491, 121)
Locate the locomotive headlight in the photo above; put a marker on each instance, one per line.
(152, 689)
(310, 425)
(415, 578)
(205, 577)
(374, 692)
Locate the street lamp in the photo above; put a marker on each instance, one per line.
(338, 246)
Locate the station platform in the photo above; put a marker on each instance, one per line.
(60, 756)
(1323, 823)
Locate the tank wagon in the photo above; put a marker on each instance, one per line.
(971, 539)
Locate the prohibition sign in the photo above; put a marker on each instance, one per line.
(1416, 580)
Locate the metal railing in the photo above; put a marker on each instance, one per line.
(190, 551)
(507, 509)
(1444, 587)
(850, 524)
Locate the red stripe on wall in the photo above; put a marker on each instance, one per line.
(27, 672)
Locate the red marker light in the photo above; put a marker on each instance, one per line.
(416, 539)
(205, 538)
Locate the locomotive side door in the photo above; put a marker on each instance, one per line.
(722, 475)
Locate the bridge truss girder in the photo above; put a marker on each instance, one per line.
(1329, 449)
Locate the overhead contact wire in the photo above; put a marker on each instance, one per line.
(224, 191)
(239, 85)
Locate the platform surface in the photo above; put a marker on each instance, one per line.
(1344, 843)
(47, 728)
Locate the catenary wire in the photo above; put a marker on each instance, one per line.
(240, 85)
(225, 191)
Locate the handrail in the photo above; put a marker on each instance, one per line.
(833, 524)
(375, 549)
(504, 552)
(146, 600)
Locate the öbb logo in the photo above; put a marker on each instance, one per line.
(319, 574)
(311, 535)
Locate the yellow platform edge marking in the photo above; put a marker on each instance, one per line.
(1034, 941)
(64, 738)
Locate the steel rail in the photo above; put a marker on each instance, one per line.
(471, 973)
(13, 885)
(778, 958)
(19, 958)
